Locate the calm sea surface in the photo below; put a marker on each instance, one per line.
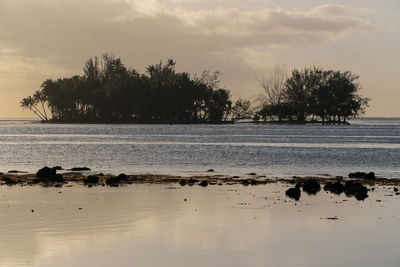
(153, 225)
(366, 145)
(170, 225)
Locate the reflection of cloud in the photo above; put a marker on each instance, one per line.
(145, 225)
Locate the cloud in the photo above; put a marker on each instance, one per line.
(61, 34)
(64, 28)
(327, 19)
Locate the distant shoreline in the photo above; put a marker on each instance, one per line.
(27, 121)
(34, 120)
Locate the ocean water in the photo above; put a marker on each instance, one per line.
(273, 150)
(170, 225)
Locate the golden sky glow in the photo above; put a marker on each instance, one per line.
(42, 39)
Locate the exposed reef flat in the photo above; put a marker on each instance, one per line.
(76, 177)
(359, 186)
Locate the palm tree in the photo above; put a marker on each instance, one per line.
(40, 97)
(30, 103)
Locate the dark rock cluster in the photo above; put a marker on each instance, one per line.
(79, 169)
(116, 180)
(350, 188)
(91, 179)
(356, 189)
(47, 175)
(335, 188)
(363, 175)
(312, 187)
(294, 193)
(203, 183)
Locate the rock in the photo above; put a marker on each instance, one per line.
(252, 174)
(45, 173)
(336, 188)
(34, 181)
(363, 175)
(192, 181)
(294, 193)
(116, 180)
(359, 191)
(91, 179)
(9, 181)
(122, 177)
(182, 182)
(395, 189)
(57, 178)
(370, 176)
(77, 169)
(15, 171)
(113, 181)
(203, 183)
(245, 182)
(210, 170)
(311, 187)
(58, 168)
(254, 182)
(330, 218)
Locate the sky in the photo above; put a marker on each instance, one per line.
(42, 39)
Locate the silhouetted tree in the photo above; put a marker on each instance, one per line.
(108, 91)
(242, 109)
(309, 92)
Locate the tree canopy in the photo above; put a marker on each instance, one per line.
(312, 92)
(108, 91)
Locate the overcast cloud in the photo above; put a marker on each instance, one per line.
(53, 37)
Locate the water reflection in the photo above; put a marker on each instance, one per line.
(153, 225)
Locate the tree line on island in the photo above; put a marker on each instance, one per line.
(110, 92)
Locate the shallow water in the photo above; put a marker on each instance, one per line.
(274, 150)
(153, 225)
